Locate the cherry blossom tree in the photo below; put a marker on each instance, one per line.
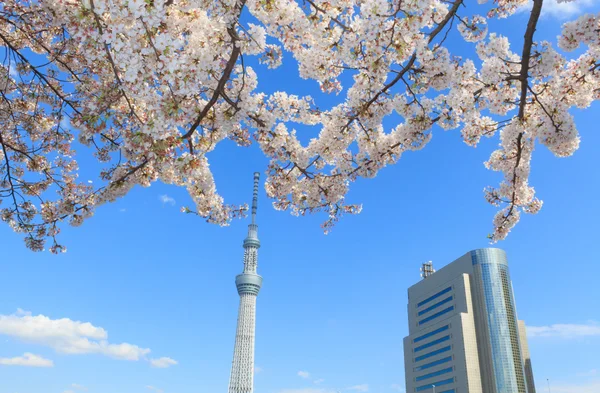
(149, 87)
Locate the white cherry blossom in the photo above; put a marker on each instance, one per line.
(151, 87)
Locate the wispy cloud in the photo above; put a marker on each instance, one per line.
(27, 360)
(307, 390)
(307, 375)
(397, 387)
(590, 373)
(566, 330)
(258, 369)
(359, 388)
(157, 390)
(20, 312)
(563, 11)
(165, 199)
(163, 362)
(586, 387)
(76, 387)
(67, 336)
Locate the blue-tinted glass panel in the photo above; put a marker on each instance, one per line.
(431, 344)
(437, 314)
(501, 320)
(446, 300)
(433, 353)
(449, 391)
(434, 374)
(430, 385)
(430, 298)
(434, 363)
(432, 333)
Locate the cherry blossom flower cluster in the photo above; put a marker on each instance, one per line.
(150, 87)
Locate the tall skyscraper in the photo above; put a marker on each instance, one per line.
(464, 336)
(248, 284)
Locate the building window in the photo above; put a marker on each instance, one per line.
(431, 344)
(434, 296)
(446, 300)
(437, 314)
(434, 363)
(433, 353)
(434, 374)
(432, 333)
(430, 385)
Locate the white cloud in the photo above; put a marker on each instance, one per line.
(167, 199)
(307, 375)
(66, 336)
(360, 388)
(566, 330)
(589, 387)
(397, 387)
(77, 387)
(590, 373)
(157, 390)
(163, 362)
(20, 312)
(307, 390)
(562, 11)
(27, 360)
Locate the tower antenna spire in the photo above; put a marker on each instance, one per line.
(255, 197)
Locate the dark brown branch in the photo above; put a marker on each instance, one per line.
(156, 54)
(524, 79)
(413, 58)
(527, 45)
(39, 74)
(130, 172)
(335, 20)
(112, 62)
(43, 46)
(451, 13)
(235, 53)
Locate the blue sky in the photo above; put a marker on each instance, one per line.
(332, 311)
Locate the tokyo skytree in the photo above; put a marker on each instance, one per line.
(248, 284)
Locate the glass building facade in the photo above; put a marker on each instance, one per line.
(502, 331)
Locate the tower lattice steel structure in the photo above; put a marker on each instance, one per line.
(248, 284)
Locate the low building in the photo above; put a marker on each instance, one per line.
(464, 336)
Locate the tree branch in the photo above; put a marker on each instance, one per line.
(524, 79)
(112, 62)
